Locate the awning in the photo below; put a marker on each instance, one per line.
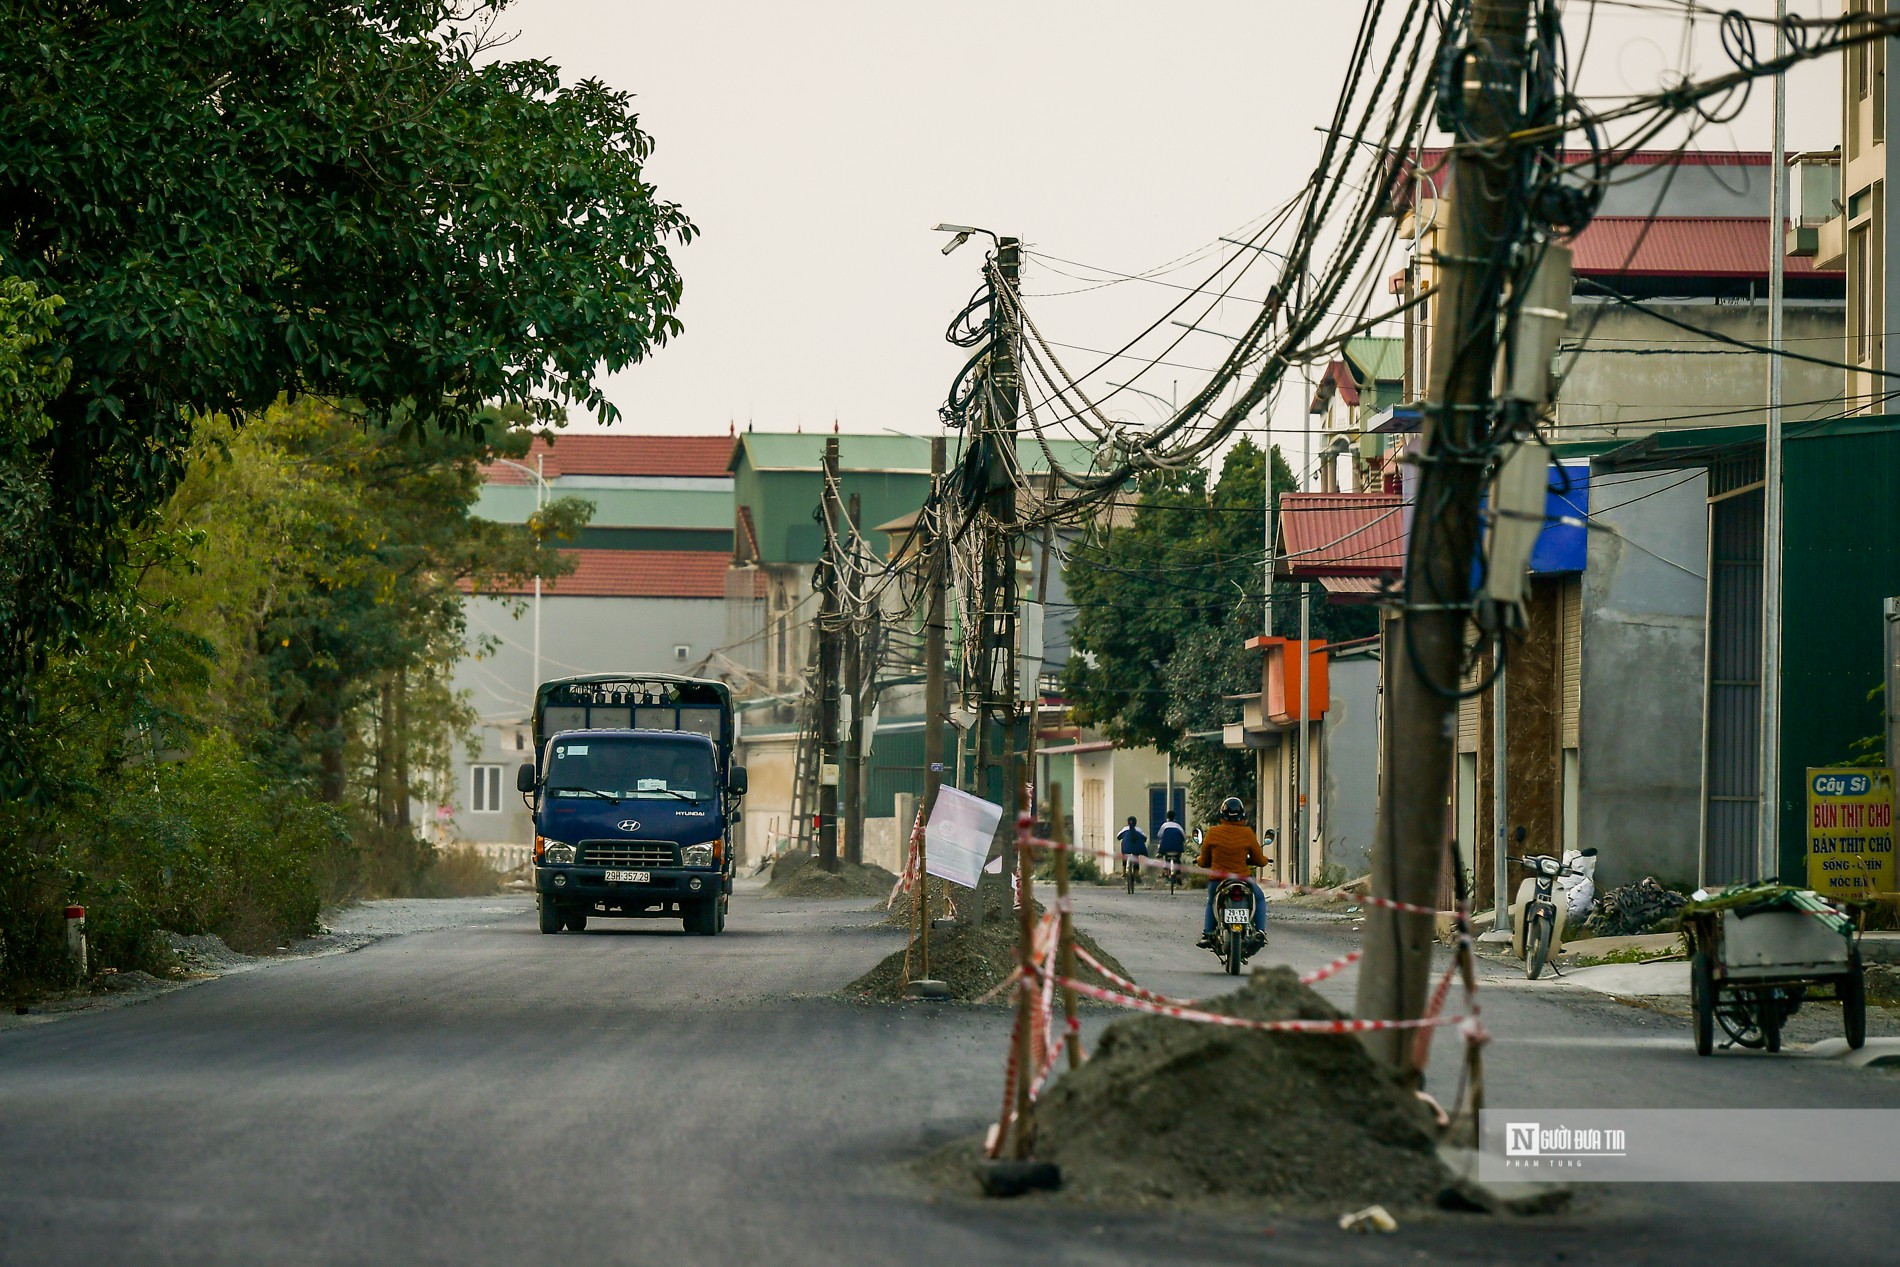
(1340, 535)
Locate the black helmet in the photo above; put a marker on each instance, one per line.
(1232, 808)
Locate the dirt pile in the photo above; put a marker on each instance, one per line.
(799, 875)
(1166, 1110)
(900, 915)
(971, 961)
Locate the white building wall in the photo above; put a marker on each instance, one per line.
(578, 635)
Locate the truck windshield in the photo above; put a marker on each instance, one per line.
(644, 767)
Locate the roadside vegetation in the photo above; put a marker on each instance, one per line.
(270, 294)
(1164, 607)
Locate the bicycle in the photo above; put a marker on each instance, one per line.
(1171, 869)
(1131, 870)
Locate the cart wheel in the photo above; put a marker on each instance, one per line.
(1768, 1005)
(1853, 991)
(1702, 992)
(1740, 1017)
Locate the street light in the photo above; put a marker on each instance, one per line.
(963, 232)
(1130, 387)
(540, 491)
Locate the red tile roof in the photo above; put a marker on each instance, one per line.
(1679, 246)
(574, 454)
(639, 574)
(1340, 534)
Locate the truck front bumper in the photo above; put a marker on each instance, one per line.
(584, 886)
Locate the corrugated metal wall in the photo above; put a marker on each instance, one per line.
(1733, 785)
(1569, 659)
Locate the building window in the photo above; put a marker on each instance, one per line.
(521, 740)
(1861, 300)
(485, 789)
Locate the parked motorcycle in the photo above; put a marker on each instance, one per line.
(1233, 924)
(1543, 905)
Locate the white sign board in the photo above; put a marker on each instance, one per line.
(958, 836)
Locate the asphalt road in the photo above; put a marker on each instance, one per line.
(483, 1094)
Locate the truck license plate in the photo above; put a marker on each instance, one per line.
(629, 877)
(1238, 915)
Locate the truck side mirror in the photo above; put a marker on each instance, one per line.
(524, 777)
(736, 781)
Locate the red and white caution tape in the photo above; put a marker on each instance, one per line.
(1129, 987)
(1338, 965)
(1239, 1022)
(1345, 1025)
(912, 873)
(1338, 895)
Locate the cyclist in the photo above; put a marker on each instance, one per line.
(1231, 846)
(1171, 843)
(1134, 844)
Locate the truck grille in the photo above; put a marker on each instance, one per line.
(627, 853)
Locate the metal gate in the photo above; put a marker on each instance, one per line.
(1732, 782)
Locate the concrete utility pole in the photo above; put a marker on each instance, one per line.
(1890, 640)
(1420, 737)
(852, 765)
(1500, 807)
(936, 704)
(997, 690)
(1302, 829)
(1768, 830)
(830, 566)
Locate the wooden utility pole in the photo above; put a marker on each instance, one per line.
(851, 767)
(1419, 738)
(829, 612)
(936, 706)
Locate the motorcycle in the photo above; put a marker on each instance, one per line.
(1233, 924)
(1542, 906)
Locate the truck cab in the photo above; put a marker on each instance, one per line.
(635, 800)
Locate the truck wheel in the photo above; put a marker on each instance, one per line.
(549, 915)
(576, 921)
(702, 918)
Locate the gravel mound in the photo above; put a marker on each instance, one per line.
(799, 875)
(1168, 1111)
(204, 952)
(971, 961)
(900, 913)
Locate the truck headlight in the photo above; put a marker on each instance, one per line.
(697, 856)
(557, 853)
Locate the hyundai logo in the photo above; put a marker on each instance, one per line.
(629, 824)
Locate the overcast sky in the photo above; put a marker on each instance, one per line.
(816, 143)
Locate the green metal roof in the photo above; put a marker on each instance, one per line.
(617, 507)
(1376, 359)
(1691, 445)
(777, 451)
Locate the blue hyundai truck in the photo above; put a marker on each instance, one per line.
(635, 800)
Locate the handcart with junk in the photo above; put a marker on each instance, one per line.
(1758, 953)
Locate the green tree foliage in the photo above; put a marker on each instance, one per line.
(239, 201)
(239, 734)
(1164, 608)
